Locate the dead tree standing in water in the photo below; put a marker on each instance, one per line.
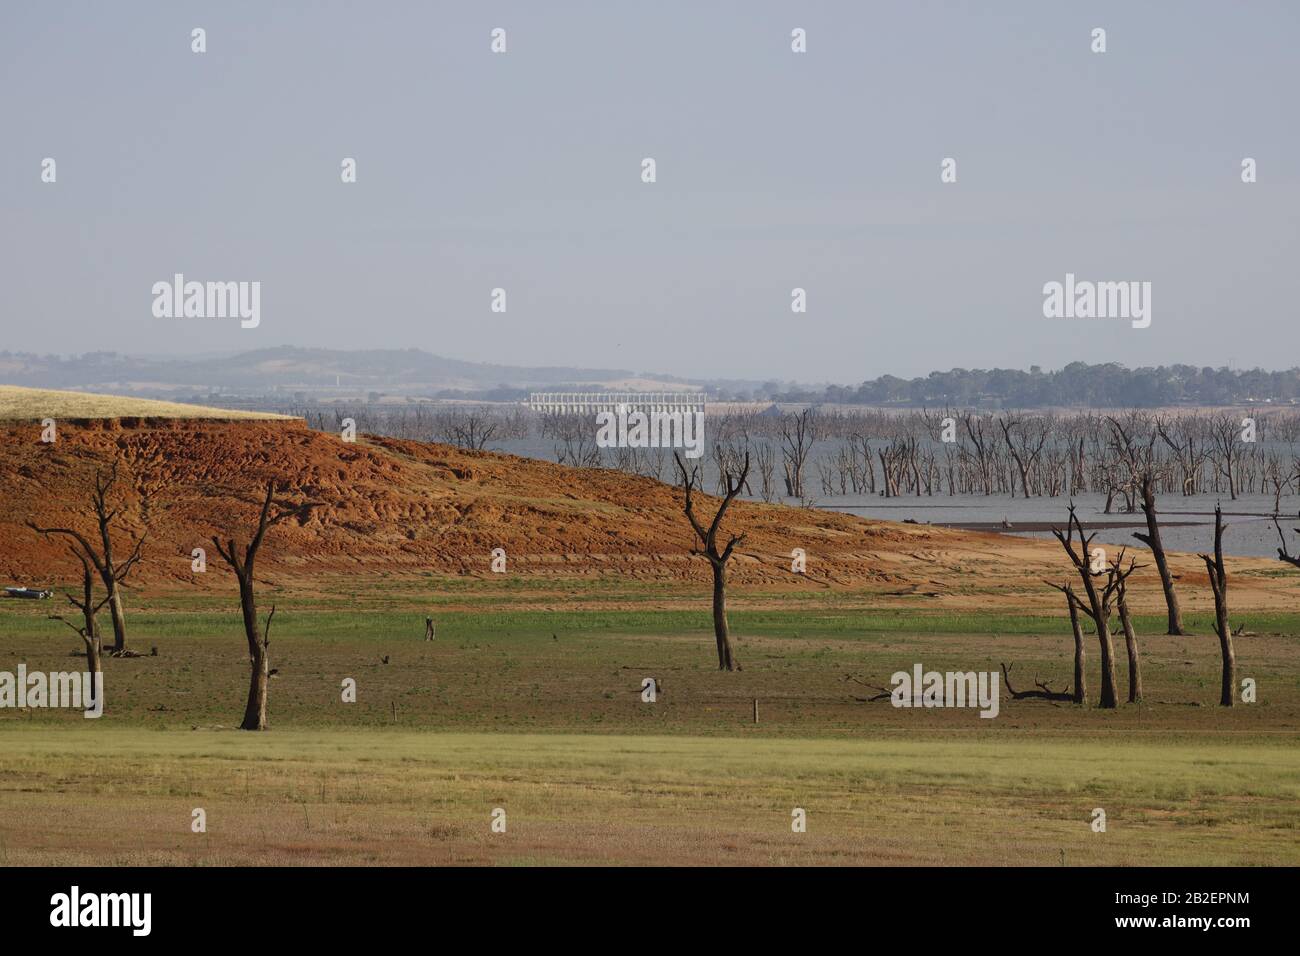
(1028, 452)
(1224, 434)
(259, 636)
(707, 545)
(1219, 583)
(798, 434)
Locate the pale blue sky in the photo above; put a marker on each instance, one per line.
(775, 170)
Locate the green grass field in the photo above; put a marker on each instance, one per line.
(534, 706)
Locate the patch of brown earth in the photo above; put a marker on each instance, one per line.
(403, 508)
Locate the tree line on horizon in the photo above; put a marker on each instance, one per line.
(1109, 385)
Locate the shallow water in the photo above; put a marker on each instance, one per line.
(1186, 524)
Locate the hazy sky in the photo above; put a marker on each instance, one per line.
(775, 170)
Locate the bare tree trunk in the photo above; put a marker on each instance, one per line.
(721, 631)
(95, 665)
(1152, 540)
(1219, 583)
(259, 637)
(119, 619)
(1080, 657)
(718, 557)
(259, 660)
(1134, 663)
(94, 648)
(1228, 685)
(1109, 698)
(1099, 607)
(255, 709)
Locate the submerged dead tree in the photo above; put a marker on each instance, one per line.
(102, 557)
(1219, 584)
(707, 545)
(798, 435)
(241, 561)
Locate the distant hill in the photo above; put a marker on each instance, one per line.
(291, 369)
(286, 376)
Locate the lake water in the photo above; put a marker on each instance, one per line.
(1186, 524)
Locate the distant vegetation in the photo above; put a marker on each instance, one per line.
(1078, 384)
(284, 376)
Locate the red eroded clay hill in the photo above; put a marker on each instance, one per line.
(404, 508)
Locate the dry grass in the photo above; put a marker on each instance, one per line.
(33, 404)
(115, 795)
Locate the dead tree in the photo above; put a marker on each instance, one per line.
(1219, 583)
(1139, 462)
(1284, 553)
(1044, 691)
(1224, 434)
(1080, 695)
(102, 559)
(1099, 604)
(1120, 576)
(1190, 459)
(259, 636)
(89, 629)
(984, 456)
(881, 693)
(1027, 454)
(766, 464)
(798, 434)
(466, 428)
(1152, 540)
(707, 545)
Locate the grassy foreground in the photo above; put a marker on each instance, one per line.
(126, 796)
(538, 711)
